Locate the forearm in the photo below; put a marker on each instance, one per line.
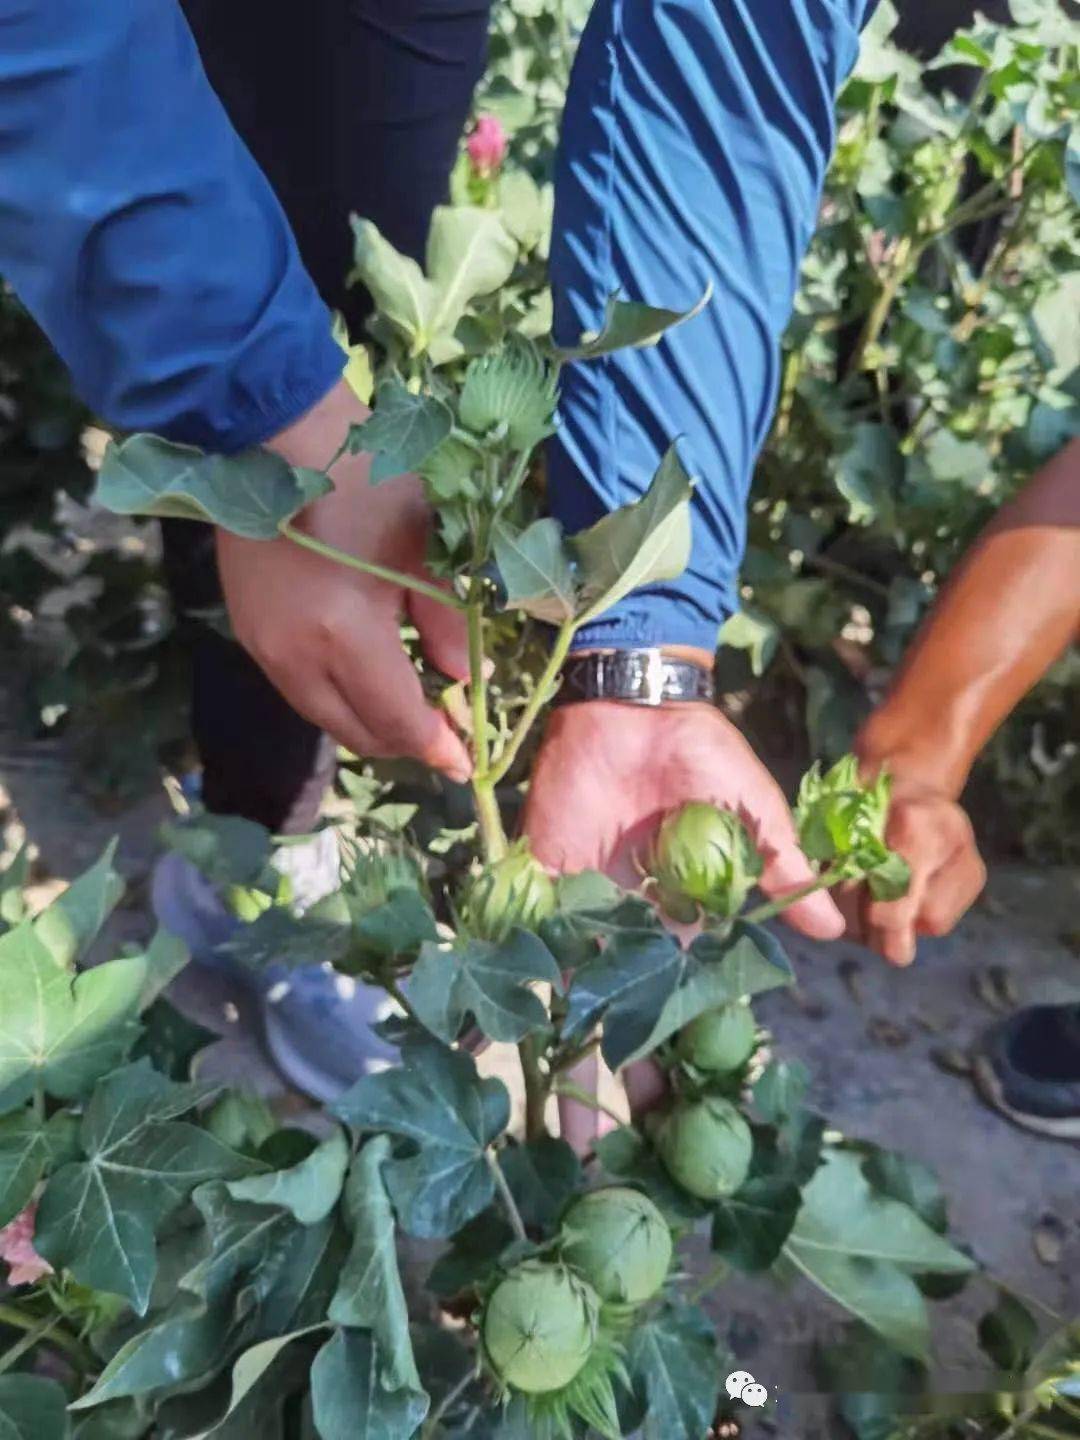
(694, 148)
(1007, 612)
(141, 234)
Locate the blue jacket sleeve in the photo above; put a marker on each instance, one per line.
(141, 234)
(694, 147)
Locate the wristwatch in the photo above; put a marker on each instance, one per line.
(636, 677)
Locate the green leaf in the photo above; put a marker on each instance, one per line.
(868, 473)
(1053, 328)
(717, 970)
(627, 1155)
(751, 630)
(629, 982)
(13, 881)
(780, 1090)
(637, 544)
(536, 570)
(250, 1369)
(165, 957)
(876, 1385)
(402, 430)
(32, 1409)
(280, 937)
(227, 849)
(244, 1239)
(183, 1346)
(23, 1153)
(627, 324)
(302, 1283)
(250, 494)
(349, 1398)
(58, 1031)
(542, 1175)
(957, 462)
(71, 923)
(98, 1217)
(396, 283)
(473, 1256)
(675, 1369)
(858, 1246)
(523, 209)
(309, 1191)
(1009, 1334)
(394, 930)
(452, 472)
(369, 1295)
(439, 1103)
(469, 254)
(911, 1182)
(750, 1227)
(487, 981)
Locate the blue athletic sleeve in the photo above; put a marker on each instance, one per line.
(141, 234)
(694, 148)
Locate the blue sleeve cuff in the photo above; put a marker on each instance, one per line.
(263, 400)
(647, 621)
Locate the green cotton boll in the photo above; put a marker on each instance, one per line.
(706, 1147)
(719, 1041)
(620, 1242)
(706, 856)
(377, 874)
(514, 891)
(514, 387)
(540, 1326)
(839, 817)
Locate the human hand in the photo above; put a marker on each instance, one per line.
(328, 636)
(934, 835)
(607, 773)
(605, 777)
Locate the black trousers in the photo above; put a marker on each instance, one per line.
(348, 106)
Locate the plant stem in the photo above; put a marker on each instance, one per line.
(828, 566)
(905, 258)
(575, 1056)
(789, 386)
(575, 1092)
(381, 572)
(492, 834)
(27, 1342)
(394, 990)
(715, 1275)
(777, 907)
(537, 700)
(536, 1089)
(12, 1316)
(446, 1404)
(507, 1198)
(37, 1103)
(1062, 1402)
(1043, 1432)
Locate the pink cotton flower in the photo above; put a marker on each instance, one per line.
(25, 1265)
(487, 145)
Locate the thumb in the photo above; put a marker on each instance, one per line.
(444, 636)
